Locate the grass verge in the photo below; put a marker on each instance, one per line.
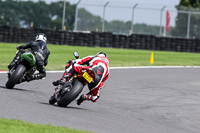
(17, 126)
(60, 54)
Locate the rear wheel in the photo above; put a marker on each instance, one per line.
(14, 78)
(71, 95)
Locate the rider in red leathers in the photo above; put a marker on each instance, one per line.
(99, 64)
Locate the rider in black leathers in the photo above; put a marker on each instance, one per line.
(39, 50)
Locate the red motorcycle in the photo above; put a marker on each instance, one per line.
(66, 92)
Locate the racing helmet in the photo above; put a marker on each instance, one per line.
(101, 54)
(41, 37)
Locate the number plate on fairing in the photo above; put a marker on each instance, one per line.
(87, 77)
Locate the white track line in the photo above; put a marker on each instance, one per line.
(133, 67)
(139, 67)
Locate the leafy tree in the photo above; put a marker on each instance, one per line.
(22, 13)
(190, 3)
(182, 19)
(88, 21)
(8, 13)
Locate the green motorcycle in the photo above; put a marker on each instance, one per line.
(25, 68)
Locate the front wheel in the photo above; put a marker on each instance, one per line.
(71, 95)
(14, 78)
(52, 100)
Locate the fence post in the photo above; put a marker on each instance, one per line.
(133, 17)
(104, 15)
(188, 26)
(76, 16)
(161, 19)
(63, 19)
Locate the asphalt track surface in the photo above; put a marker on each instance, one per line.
(156, 100)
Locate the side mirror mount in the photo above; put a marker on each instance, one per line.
(76, 55)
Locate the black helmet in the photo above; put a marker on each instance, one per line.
(101, 54)
(41, 37)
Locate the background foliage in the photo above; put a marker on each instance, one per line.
(182, 18)
(21, 13)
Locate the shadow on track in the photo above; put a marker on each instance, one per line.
(69, 107)
(18, 89)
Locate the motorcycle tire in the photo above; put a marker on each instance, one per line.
(14, 78)
(52, 100)
(71, 95)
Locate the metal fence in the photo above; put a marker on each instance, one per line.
(140, 19)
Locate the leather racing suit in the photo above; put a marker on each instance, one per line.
(99, 64)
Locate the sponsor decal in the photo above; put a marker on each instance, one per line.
(98, 72)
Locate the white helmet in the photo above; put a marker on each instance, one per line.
(41, 37)
(101, 54)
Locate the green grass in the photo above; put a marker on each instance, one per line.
(60, 54)
(17, 126)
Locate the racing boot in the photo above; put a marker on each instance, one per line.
(67, 76)
(35, 77)
(57, 82)
(84, 97)
(38, 76)
(81, 99)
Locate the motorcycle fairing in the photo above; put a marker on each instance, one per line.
(29, 57)
(98, 72)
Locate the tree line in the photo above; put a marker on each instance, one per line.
(24, 13)
(181, 27)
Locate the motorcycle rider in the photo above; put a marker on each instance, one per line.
(41, 53)
(98, 63)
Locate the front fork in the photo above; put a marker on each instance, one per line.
(10, 72)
